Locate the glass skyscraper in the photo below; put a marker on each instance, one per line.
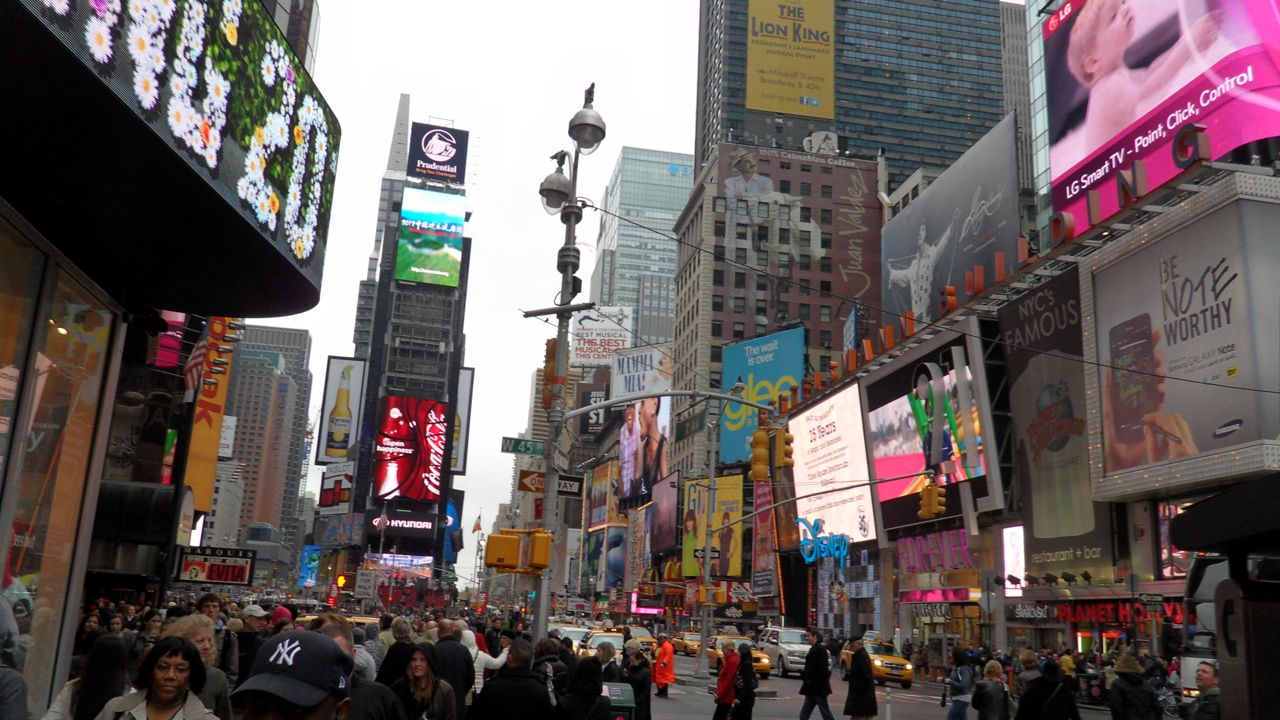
(636, 261)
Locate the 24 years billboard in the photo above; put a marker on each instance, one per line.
(1124, 78)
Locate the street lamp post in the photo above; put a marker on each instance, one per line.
(713, 427)
(560, 196)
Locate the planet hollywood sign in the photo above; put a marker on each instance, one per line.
(1119, 612)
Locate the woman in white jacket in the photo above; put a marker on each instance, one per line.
(483, 660)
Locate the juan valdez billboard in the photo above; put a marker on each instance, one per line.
(1128, 83)
(409, 450)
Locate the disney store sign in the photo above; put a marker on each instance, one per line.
(815, 545)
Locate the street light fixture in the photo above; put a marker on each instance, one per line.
(559, 195)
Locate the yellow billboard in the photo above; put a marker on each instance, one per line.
(791, 57)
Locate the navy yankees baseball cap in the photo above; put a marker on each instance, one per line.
(301, 667)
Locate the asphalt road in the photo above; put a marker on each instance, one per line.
(692, 700)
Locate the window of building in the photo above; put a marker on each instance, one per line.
(739, 331)
(718, 251)
(717, 278)
(824, 264)
(825, 192)
(784, 259)
(761, 328)
(826, 241)
(825, 216)
(826, 169)
(804, 286)
(805, 262)
(784, 212)
(804, 311)
(718, 205)
(806, 168)
(783, 310)
(824, 337)
(806, 238)
(762, 283)
(824, 286)
(784, 165)
(784, 236)
(824, 313)
(762, 235)
(806, 215)
(739, 305)
(717, 328)
(739, 280)
(761, 307)
(742, 207)
(784, 186)
(715, 377)
(719, 228)
(824, 360)
(717, 303)
(806, 189)
(762, 259)
(762, 210)
(740, 255)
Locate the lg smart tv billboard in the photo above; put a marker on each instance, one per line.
(1123, 78)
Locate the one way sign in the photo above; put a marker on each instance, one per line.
(534, 482)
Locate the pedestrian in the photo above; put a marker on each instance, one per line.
(398, 652)
(609, 668)
(584, 699)
(1031, 671)
(640, 677)
(249, 639)
(516, 692)
(454, 663)
(1046, 698)
(369, 700)
(991, 696)
(1206, 705)
(108, 678)
(726, 693)
(422, 693)
(89, 629)
(815, 679)
(1130, 697)
(745, 682)
(373, 644)
(960, 684)
(861, 701)
(198, 630)
(547, 664)
(384, 630)
(228, 653)
(168, 682)
(297, 674)
(664, 666)
(483, 661)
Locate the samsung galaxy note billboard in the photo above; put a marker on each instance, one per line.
(1124, 78)
(438, 153)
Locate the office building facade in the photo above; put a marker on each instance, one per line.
(635, 255)
(263, 399)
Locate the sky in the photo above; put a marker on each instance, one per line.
(513, 74)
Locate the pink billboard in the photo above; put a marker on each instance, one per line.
(1125, 77)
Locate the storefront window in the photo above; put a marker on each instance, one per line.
(20, 267)
(45, 492)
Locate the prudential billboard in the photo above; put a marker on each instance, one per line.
(767, 366)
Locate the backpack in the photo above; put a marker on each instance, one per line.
(739, 683)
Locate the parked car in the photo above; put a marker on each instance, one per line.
(786, 648)
(759, 661)
(886, 664)
(687, 643)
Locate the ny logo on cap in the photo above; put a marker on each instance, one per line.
(285, 651)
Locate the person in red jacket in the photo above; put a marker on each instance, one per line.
(664, 666)
(725, 693)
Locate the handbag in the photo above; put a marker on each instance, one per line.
(943, 701)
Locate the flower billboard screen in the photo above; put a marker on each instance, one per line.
(218, 83)
(430, 241)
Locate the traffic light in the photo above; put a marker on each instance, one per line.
(760, 455)
(711, 595)
(548, 373)
(933, 501)
(784, 451)
(502, 551)
(540, 550)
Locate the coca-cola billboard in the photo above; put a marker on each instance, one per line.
(409, 449)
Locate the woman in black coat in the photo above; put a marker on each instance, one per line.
(583, 701)
(744, 685)
(641, 680)
(861, 701)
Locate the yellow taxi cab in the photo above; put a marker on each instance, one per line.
(687, 643)
(759, 661)
(886, 664)
(642, 634)
(588, 646)
(360, 620)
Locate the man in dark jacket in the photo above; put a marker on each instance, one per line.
(1129, 697)
(250, 639)
(516, 692)
(861, 701)
(815, 683)
(369, 700)
(641, 680)
(454, 664)
(1205, 706)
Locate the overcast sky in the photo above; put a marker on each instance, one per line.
(512, 73)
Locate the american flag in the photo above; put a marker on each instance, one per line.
(476, 528)
(194, 370)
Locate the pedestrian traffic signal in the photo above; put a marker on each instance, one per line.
(760, 455)
(342, 581)
(502, 551)
(933, 501)
(540, 550)
(548, 373)
(784, 451)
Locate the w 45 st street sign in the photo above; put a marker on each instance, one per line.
(520, 446)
